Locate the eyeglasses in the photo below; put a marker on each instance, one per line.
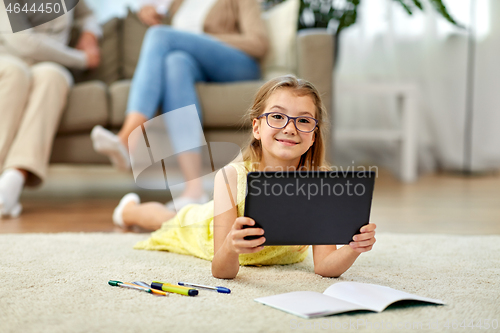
(280, 120)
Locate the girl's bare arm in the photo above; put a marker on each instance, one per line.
(225, 263)
(332, 262)
(229, 234)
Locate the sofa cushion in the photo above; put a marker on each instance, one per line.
(109, 69)
(76, 148)
(223, 104)
(281, 22)
(118, 98)
(240, 137)
(87, 106)
(132, 35)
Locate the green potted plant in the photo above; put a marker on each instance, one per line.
(321, 13)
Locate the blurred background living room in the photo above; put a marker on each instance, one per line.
(411, 88)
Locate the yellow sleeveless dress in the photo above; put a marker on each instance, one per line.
(180, 235)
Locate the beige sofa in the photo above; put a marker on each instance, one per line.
(99, 97)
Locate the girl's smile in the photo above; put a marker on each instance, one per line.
(287, 142)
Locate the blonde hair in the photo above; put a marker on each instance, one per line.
(314, 157)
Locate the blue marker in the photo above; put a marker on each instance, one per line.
(218, 289)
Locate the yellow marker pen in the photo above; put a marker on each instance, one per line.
(172, 288)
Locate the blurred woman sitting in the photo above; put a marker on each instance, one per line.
(205, 40)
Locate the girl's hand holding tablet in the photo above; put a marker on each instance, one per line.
(236, 237)
(363, 242)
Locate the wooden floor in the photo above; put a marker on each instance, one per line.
(439, 203)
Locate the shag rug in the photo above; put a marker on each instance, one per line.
(58, 283)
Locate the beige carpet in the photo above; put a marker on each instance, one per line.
(58, 283)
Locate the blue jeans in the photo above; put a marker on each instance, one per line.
(170, 64)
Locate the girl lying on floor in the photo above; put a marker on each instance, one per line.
(288, 124)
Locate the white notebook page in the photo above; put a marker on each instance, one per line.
(372, 296)
(309, 304)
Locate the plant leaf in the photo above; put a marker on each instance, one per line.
(441, 9)
(347, 19)
(347, 15)
(405, 6)
(418, 4)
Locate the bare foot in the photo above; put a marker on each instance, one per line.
(128, 214)
(149, 216)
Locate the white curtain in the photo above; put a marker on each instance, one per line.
(388, 45)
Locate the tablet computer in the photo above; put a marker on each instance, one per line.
(309, 207)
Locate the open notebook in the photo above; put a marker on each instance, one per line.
(340, 297)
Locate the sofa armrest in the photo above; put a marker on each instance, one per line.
(315, 59)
